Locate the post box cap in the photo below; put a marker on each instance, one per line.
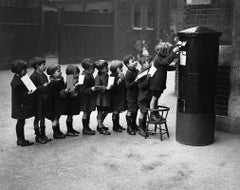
(198, 31)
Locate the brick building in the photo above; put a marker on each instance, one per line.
(151, 20)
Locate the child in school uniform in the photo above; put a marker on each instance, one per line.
(103, 95)
(72, 101)
(117, 94)
(22, 101)
(144, 94)
(57, 91)
(132, 93)
(40, 80)
(87, 95)
(165, 55)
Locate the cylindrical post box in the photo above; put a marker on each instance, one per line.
(197, 86)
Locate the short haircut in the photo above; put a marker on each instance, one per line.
(100, 64)
(87, 63)
(36, 61)
(126, 59)
(18, 65)
(143, 59)
(51, 69)
(114, 65)
(72, 69)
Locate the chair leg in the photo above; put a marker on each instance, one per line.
(146, 130)
(160, 128)
(155, 129)
(166, 129)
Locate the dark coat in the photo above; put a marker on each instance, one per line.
(39, 79)
(87, 96)
(131, 85)
(161, 62)
(72, 102)
(118, 95)
(23, 105)
(103, 96)
(144, 93)
(55, 103)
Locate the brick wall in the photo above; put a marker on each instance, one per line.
(218, 15)
(125, 35)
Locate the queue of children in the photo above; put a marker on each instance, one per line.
(53, 98)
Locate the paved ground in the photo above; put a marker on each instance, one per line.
(118, 161)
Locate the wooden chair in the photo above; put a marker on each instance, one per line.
(162, 111)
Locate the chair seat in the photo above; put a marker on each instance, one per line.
(161, 125)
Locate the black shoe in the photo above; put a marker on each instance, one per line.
(104, 127)
(72, 133)
(122, 128)
(130, 131)
(24, 143)
(75, 131)
(46, 138)
(88, 131)
(154, 117)
(43, 134)
(117, 129)
(40, 140)
(102, 131)
(58, 136)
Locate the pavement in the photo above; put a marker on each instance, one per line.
(114, 162)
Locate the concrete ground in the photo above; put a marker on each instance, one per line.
(116, 162)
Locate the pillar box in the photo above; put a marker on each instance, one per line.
(197, 86)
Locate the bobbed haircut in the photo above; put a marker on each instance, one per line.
(72, 69)
(18, 65)
(100, 64)
(114, 65)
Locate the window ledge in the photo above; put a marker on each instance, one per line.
(148, 28)
(137, 28)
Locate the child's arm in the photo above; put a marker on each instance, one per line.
(159, 60)
(129, 82)
(143, 83)
(84, 89)
(99, 85)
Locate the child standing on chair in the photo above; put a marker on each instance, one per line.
(117, 94)
(22, 101)
(165, 55)
(39, 78)
(132, 93)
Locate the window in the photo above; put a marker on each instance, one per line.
(137, 23)
(150, 16)
(150, 20)
(198, 2)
